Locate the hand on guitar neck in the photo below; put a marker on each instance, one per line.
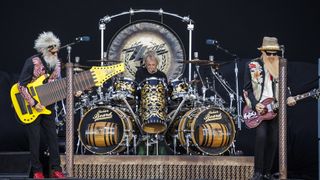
(291, 101)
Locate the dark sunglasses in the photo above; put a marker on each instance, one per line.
(272, 53)
(52, 46)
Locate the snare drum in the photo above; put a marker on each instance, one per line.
(153, 105)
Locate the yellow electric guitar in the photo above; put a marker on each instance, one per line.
(55, 91)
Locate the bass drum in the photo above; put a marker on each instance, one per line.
(105, 130)
(203, 130)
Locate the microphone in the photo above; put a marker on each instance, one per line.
(83, 38)
(212, 42)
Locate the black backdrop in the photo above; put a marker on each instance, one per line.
(239, 26)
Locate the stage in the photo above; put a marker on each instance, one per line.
(161, 167)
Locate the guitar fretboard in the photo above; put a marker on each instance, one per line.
(57, 90)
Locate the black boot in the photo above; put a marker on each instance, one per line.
(257, 176)
(267, 176)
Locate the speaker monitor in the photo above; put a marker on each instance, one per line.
(15, 164)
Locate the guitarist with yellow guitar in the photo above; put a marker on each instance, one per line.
(39, 87)
(260, 91)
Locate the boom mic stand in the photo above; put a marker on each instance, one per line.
(236, 61)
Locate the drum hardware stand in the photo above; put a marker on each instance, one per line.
(204, 88)
(175, 137)
(122, 97)
(171, 119)
(135, 144)
(236, 72)
(82, 150)
(233, 149)
(230, 91)
(188, 143)
(127, 143)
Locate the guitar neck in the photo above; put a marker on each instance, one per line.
(305, 95)
(300, 97)
(57, 90)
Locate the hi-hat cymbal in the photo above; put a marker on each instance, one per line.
(80, 68)
(77, 69)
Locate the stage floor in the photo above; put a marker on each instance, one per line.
(161, 167)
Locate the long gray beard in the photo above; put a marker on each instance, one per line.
(51, 60)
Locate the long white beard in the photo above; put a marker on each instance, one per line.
(51, 60)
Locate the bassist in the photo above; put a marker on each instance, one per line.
(46, 62)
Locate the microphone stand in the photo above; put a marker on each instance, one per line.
(236, 71)
(69, 45)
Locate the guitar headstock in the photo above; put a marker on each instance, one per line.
(316, 93)
(102, 73)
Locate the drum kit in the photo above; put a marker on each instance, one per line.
(122, 115)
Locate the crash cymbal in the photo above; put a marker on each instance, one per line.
(196, 61)
(103, 60)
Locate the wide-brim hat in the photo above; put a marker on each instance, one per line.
(269, 44)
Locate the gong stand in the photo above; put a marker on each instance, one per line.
(160, 12)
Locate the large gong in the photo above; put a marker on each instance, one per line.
(132, 41)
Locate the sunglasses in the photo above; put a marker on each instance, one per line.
(272, 53)
(52, 46)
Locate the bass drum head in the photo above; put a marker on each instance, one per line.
(213, 131)
(102, 130)
(133, 40)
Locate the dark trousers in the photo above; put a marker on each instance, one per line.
(266, 145)
(45, 123)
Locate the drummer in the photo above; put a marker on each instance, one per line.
(150, 68)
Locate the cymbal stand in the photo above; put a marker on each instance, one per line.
(204, 88)
(238, 99)
(224, 84)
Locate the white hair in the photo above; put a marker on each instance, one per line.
(45, 40)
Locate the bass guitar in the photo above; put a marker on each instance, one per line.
(55, 91)
(252, 119)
